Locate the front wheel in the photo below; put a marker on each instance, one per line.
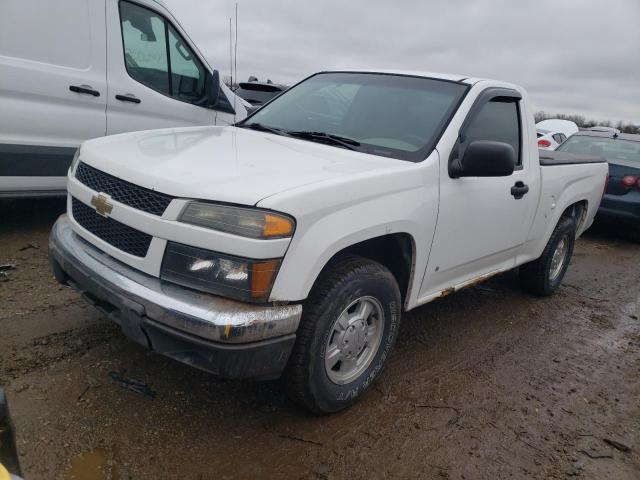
(544, 275)
(348, 328)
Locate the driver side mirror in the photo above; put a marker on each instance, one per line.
(484, 158)
(214, 90)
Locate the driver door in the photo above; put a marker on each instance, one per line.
(481, 224)
(155, 79)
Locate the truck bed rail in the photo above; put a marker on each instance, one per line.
(549, 158)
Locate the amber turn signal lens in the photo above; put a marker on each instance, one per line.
(262, 276)
(277, 226)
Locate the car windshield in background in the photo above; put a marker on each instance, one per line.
(610, 148)
(258, 93)
(390, 115)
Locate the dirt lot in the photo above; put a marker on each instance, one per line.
(486, 383)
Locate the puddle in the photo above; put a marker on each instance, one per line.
(89, 466)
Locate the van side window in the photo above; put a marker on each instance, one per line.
(145, 50)
(156, 56)
(497, 120)
(187, 74)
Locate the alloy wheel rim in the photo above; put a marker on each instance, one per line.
(559, 258)
(354, 340)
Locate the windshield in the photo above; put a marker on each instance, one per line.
(610, 148)
(390, 115)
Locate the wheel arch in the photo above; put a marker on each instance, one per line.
(395, 251)
(578, 208)
(578, 211)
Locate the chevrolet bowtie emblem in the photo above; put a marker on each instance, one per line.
(101, 204)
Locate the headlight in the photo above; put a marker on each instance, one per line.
(247, 222)
(234, 277)
(74, 162)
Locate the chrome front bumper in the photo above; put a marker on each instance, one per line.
(149, 309)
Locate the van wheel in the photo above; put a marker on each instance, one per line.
(347, 331)
(544, 275)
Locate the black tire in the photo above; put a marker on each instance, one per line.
(535, 275)
(344, 281)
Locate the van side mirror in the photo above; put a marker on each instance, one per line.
(214, 90)
(484, 158)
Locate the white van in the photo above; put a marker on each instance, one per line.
(87, 68)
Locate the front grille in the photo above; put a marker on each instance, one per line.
(124, 192)
(121, 236)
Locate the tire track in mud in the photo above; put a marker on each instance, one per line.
(44, 351)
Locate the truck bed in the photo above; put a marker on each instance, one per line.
(550, 158)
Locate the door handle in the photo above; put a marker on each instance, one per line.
(128, 98)
(84, 89)
(519, 190)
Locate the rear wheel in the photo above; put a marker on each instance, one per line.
(348, 328)
(544, 275)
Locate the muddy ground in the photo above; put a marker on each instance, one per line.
(487, 383)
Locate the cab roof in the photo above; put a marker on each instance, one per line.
(454, 77)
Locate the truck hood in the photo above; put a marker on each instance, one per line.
(227, 164)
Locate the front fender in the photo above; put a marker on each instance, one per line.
(313, 247)
(334, 216)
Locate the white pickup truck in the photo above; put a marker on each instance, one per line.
(291, 243)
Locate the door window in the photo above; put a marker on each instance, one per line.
(498, 120)
(145, 51)
(187, 73)
(156, 55)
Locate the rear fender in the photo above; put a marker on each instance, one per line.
(562, 187)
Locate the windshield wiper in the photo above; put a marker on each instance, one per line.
(345, 142)
(263, 128)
